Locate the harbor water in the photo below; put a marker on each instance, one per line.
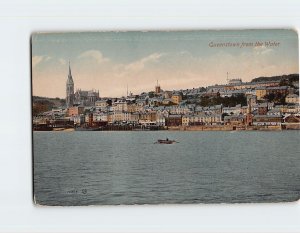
(110, 167)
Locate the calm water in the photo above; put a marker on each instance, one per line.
(89, 168)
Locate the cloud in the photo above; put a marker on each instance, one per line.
(62, 61)
(94, 54)
(267, 51)
(36, 60)
(259, 47)
(140, 64)
(47, 58)
(174, 70)
(262, 50)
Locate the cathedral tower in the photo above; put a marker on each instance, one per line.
(69, 89)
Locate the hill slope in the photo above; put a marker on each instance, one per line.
(290, 77)
(43, 104)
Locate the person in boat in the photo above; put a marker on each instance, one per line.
(167, 139)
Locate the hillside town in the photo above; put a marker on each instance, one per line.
(261, 104)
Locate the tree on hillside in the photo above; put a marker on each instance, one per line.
(226, 101)
(151, 94)
(290, 77)
(277, 98)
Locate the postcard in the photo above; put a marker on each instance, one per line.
(165, 117)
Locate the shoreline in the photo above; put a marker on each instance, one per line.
(195, 128)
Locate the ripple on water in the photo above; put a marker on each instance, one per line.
(127, 168)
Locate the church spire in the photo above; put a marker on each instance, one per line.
(69, 89)
(70, 78)
(70, 69)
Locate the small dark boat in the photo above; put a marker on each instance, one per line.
(165, 141)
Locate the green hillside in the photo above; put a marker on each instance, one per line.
(43, 104)
(290, 77)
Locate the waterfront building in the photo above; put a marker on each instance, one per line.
(78, 119)
(110, 117)
(198, 119)
(75, 110)
(213, 119)
(201, 119)
(185, 120)
(160, 120)
(100, 117)
(267, 120)
(236, 120)
(149, 116)
(86, 118)
(173, 120)
(134, 117)
(291, 121)
(120, 116)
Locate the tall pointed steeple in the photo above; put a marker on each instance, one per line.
(70, 74)
(70, 89)
(70, 78)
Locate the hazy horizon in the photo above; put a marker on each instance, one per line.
(109, 61)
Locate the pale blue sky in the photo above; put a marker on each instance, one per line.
(108, 61)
